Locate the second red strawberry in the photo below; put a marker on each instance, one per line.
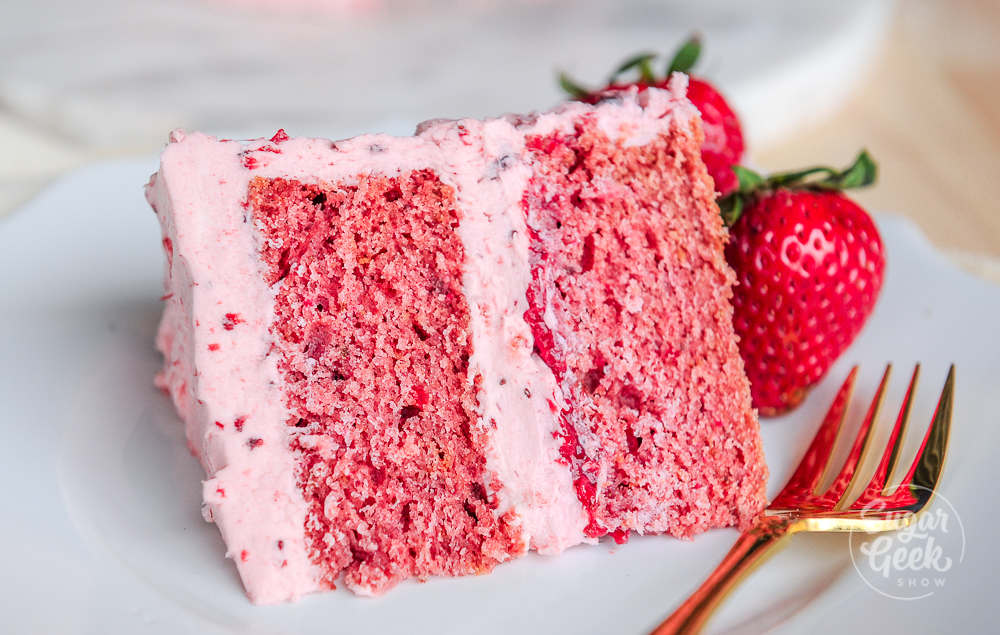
(809, 264)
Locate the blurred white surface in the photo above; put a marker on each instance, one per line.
(83, 80)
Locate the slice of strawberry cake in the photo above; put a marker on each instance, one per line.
(414, 356)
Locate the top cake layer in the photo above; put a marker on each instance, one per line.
(236, 321)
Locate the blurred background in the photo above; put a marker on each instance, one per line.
(916, 82)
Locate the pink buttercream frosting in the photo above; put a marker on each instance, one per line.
(222, 375)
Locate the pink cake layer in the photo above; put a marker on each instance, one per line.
(414, 356)
(629, 305)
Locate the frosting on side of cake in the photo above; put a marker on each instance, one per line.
(215, 341)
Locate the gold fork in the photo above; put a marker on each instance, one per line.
(801, 507)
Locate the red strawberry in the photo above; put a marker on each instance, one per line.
(723, 144)
(809, 264)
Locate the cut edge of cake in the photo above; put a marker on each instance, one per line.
(223, 363)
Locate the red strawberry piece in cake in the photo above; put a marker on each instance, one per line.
(455, 347)
(230, 321)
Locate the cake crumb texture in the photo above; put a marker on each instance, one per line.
(630, 308)
(373, 329)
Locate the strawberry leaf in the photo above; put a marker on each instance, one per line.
(686, 56)
(748, 179)
(731, 208)
(640, 62)
(573, 89)
(861, 173)
(748, 182)
(799, 177)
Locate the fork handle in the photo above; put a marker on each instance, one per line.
(752, 547)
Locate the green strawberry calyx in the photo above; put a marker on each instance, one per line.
(683, 61)
(862, 172)
(686, 56)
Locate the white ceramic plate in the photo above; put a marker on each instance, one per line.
(102, 531)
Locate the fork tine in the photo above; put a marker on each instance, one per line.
(922, 477)
(804, 481)
(877, 485)
(834, 494)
